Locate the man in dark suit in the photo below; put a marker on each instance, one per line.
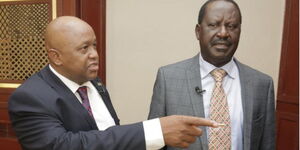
(65, 106)
(215, 85)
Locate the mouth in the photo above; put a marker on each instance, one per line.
(221, 45)
(93, 66)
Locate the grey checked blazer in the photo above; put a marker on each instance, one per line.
(174, 94)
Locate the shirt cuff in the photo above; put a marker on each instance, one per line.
(153, 134)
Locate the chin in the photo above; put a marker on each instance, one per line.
(220, 58)
(223, 62)
(92, 77)
(219, 61)
(92, 73)
(222, 54)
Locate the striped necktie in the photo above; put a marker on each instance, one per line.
(85, 100)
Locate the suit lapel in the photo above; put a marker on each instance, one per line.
(106, 99)
(194, 80)
(67, 95)
(246, 89)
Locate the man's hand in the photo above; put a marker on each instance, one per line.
(181, 131)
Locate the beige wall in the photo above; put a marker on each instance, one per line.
(143, 35)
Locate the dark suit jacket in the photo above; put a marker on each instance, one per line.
(174, 94)
(46, 115)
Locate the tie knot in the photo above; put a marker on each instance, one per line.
(218, 74)
(82, 91)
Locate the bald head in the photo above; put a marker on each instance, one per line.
(71, 47)
(61, 29)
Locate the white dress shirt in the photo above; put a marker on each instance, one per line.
(232, 88)
(152, 128)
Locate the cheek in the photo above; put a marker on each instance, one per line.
(235, 36)
(209, 36)
(206, 39)
(78, 66)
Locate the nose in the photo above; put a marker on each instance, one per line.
(93, 53)
(223, 33)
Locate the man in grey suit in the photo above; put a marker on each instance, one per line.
(186, 87)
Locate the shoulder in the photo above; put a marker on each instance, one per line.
(35, 84)
(35, 90)
(250, 72)
(180, 66)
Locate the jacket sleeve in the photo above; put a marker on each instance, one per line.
(158, 104)
(39, 128)
(269, 136)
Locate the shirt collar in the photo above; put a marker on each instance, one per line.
(73, 86)
(206, 68)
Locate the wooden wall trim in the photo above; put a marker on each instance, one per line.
(287, 110)
(290, 37)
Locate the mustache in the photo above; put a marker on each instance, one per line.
(221, 41)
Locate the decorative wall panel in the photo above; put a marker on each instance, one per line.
(22, 50)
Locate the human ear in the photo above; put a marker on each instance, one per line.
(54, 56)
(197, 31)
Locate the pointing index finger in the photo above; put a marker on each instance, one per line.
(197, 121)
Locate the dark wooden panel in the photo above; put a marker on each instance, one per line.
(287, 114)
(4, 95)
(287, 107)
(288, 89)
(288, 129)
(68, 8)
(3, 112)
(9, 144)
(6, 130)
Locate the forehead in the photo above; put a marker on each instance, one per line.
(70, 40)
(81, 34)
(221, 10)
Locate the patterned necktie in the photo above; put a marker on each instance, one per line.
(219, 138)
(85, 100)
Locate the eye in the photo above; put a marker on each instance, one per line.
(85, 47)
(95, 45)
(231, 26)
(212, 25)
